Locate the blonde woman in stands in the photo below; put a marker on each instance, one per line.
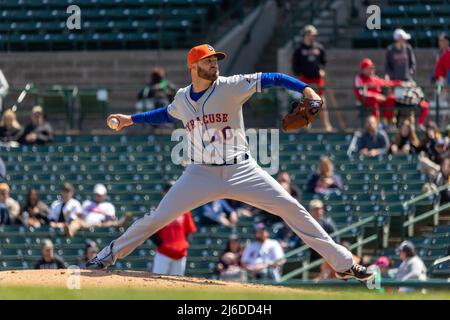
(406, 141)
(10, 128)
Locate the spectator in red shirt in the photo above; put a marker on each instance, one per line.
(442, 67)
(172, 244)
(368, 90)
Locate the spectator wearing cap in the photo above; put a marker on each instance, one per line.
(432, 133)
(10, 128)
(97, 213)
(324, 181)
(368, 89)
(263, 258)
(65, 209)
(430, 162)
(158, 93)
(219, 212)
(383, 263)
(12, 205)
(38, 131)
(229, 266)
(411, 267)
(49, 260)
(308, 62)
(443, 44)
(400, 59)
(172, 243)
(374, 141)
(90, 251)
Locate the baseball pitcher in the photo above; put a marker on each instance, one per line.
(222, 167)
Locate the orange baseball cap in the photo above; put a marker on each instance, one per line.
(203, 51)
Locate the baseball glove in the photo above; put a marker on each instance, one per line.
(301, 114)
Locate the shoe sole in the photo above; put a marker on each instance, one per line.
(348, 277)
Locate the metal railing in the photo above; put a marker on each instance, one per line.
(409, 212)
(317, 263)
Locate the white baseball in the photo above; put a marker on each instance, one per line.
(113, 123)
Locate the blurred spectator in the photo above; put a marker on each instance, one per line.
(172, 243)
(286, 237)
(325, 181)
(430, 161)
(443, 44)
(4, 212)
(97, 213)
(308, 62)
(443, 66)
(317, 211)
(219, 212)
(406, 140)
(263, 258)
(443, 178)
(90, 251)
(293, 190)
(4, 88)
(229, 266)
(411, 268)
(38, 131)
(10, 129)
(400, 58)
(65, 209)
(368, 89)
(383, 263)
(431, 135)
(158, 93)
(49, 260)
(12, 205)
(34, 212)
(374, 141)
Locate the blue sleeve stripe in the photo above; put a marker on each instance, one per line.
(275, 79)
(157, 116)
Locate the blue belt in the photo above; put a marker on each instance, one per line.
(235, 161)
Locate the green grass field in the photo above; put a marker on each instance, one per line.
(13, 292)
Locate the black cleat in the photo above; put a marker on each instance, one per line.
(358, 272)
(103, 260)
(95, 264)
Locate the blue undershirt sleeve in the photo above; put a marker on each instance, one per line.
(276, 79)
(157, 116)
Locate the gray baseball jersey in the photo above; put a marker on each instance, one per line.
(207, 122)
(214, 124)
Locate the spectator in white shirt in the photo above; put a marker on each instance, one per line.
(97, 213)
(263, 258)
(66, 209)
(412, 266)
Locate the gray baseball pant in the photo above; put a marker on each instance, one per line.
(246, 182)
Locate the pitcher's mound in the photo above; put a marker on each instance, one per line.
(122, 279)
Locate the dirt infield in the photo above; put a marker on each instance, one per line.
(124, 279)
